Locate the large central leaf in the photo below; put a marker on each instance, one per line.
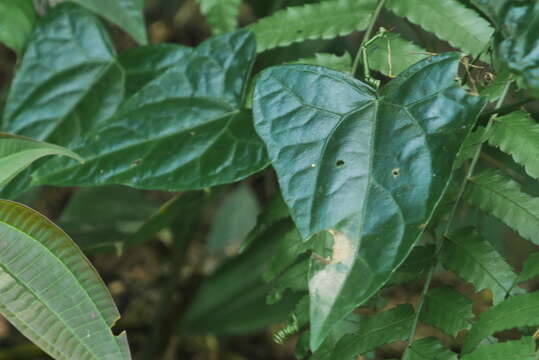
(370, 167)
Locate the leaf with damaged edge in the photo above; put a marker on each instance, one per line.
(326, 134)
(51, 292)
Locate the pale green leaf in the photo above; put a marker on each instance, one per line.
(502, 197)
(17, 153)
(221, 15)
(325, 20)
(428, 348)
(177, 132)
(391, 54)
(51, 292)
(517, 311)
(523, 349)
(18, 18)
(444, 18)
(448, 310)
(127, 14)
(340, 63)
(475, 260)
(327, 133)
(518, 135)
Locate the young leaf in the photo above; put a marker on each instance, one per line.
(428, 348)
(17, 23)
(517, 311)
(530, 268)
(145, 63)
(443, 17)
(17, 153)
(68, 79)
(475, 260)
(51, 292)
(127, 14)
(324, 20)
(340, 63)
(448, 310)
(326, 134)
(222, 15)
(391, 54)
(501, 197)
(177, 132)
(517, 134)
(523, 349)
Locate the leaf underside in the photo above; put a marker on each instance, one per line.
(327, 133)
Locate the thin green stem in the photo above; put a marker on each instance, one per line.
(367, 35)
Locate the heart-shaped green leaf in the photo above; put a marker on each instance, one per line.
(369, 167)
(17, 153)
(51, 292)
(184, 130)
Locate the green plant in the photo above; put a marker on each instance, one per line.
(398, 168)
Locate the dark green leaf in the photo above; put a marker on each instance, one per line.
(475, 260)
(523, 349)
(470, 146)
(530, 268)
(128, 14)
(18, 18)
(448, 310)
(415, 266)
(51, 292)
(428, 348)
(517, 311)
(184, 130)
(327, 137)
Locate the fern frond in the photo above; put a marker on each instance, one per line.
(340, 63)
(501, 197)
(325, 20)
(518, 135)
(221, 15)
(429, 348)
(391, 54)
(475, 260)
(443, 18)
(517, 311)
(523, 349)
(448, 310)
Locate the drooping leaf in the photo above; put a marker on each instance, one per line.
(443, 17)
(516, 43)
(68, 79)
(324, 20)
(340, 63)
(391, 54)
(366, 333)
(470, 146)
(523, 349)
(530, 268)
(502, 197)
(233, 299)
(475, 260)
(17, 153)
(326, 134)
(17, 23)
(448, 310)
(127, 14)
(51, 292)
(517, 134)
(221, 15)
(428, 348)
(517, 311)
(184, 130)
(145, 63)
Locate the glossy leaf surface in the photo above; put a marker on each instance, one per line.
(183, 130)
(517, 311)
(327, 133)
(51, 292)
(127, 14)
(17, 153)
(16, 27)
(475, 260)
